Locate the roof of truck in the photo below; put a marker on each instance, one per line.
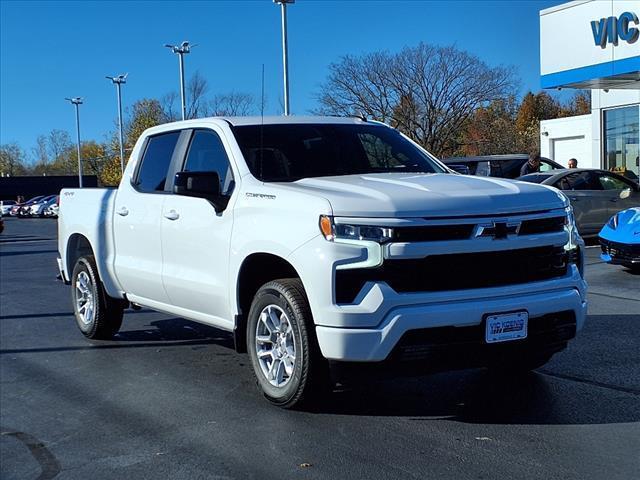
(282, 119)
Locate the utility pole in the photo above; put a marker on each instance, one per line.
(285, 51)
(181, 50)
(118, 81)
(77, 101)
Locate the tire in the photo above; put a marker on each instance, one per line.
(285, 382)
(98, 316)
(518, 364)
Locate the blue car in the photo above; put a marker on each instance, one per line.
(620, 239)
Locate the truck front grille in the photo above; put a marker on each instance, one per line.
(457, 271)
(435, 233)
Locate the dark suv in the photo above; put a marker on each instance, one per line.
(503, 166)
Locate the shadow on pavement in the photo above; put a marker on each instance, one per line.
(480, 397)
(164, 333)
(471, 396)
(25, 252)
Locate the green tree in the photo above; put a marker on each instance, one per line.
(147, 113)
(12, 160)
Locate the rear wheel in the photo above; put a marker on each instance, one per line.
(98, 316)
(282, 346)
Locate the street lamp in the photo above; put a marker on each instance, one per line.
(181, 50)
(77, 101)
(285, 59)
(118, 81)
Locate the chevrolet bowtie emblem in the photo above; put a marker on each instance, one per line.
(497, 230)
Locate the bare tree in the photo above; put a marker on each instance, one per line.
(170, 107)
(428, 92)
(233, 104)
(197, 88)
(58, 144)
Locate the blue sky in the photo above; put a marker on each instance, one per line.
(52, 50)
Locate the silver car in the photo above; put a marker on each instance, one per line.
(595, 195)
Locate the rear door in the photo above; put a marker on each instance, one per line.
(589, 200)
(196, 238)
(138, 209)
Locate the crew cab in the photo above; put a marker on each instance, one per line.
(323, 242)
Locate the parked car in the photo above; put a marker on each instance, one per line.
(38, 209)
(620, 239)
(52, 210)
(15, 209)
(24, 209)
(595, 195)
(323, 241)
(502, 166)
(5, 206)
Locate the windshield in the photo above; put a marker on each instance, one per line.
(286, 153)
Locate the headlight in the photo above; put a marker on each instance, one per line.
(613, 222)
(572, 247)
(342, 231)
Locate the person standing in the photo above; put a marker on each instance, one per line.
(532, 165)
(573, 163)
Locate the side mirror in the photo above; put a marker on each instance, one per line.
(201, 185)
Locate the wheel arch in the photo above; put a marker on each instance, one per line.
(256, 269)
(77, 246)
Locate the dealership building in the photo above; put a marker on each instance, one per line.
(594, 44)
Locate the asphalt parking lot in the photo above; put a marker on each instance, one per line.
(169, 398)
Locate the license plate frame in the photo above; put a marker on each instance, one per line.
(506, 326)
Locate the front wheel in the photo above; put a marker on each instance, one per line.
(282, 346)
(98, 316)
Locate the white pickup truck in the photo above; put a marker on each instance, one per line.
(322, 242)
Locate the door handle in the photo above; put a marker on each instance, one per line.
(574, 199)
(172, 215)
(123, 212)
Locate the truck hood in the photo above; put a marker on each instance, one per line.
(429, 195)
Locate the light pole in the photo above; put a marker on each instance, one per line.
(77, 101)
(181, 50)
(118, 81)
(285, 53)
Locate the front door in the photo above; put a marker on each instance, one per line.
(196, 238)
(621, 193)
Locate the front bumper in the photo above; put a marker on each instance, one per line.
(377, 344)
(374, 323)
(619, 253)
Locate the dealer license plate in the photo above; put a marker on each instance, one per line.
(505, 327)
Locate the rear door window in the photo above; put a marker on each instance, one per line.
(152, 173)
(578, 181)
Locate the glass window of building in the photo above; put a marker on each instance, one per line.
(622, 140)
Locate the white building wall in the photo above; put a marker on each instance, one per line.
(569, 137)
